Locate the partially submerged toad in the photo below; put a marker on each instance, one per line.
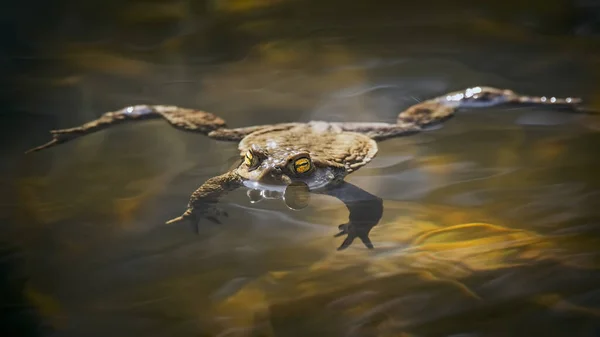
(316, 155)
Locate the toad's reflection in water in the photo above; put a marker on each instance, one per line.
(365, 209)
(296, 195)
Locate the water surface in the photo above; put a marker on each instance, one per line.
(490, 225)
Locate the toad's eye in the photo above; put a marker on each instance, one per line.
(250, 159)
(302, 165)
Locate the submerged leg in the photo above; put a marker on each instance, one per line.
(182, 118)
(203, 200)
(365, 212)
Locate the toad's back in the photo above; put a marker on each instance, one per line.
(324, 141)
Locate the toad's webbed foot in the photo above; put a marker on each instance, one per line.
(181, 118)
(193, 215)
(353, 231)
(203, 201)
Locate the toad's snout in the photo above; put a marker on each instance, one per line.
(277, 177)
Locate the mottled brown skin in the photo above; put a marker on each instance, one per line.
(328, 144)
(330, 149)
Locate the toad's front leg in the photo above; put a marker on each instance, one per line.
(203, 201)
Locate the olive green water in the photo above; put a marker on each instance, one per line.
(491, 223)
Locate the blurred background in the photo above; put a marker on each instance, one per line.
(491, 224)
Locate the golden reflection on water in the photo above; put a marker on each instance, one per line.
(433, 268)
(421, 271)
(97, 255)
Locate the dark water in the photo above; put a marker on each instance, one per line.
(491, 224)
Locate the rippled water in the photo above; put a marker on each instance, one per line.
(490, 226)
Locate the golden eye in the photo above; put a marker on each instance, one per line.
(249, 159)
(302, 165)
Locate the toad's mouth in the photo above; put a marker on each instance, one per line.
(295, 195)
